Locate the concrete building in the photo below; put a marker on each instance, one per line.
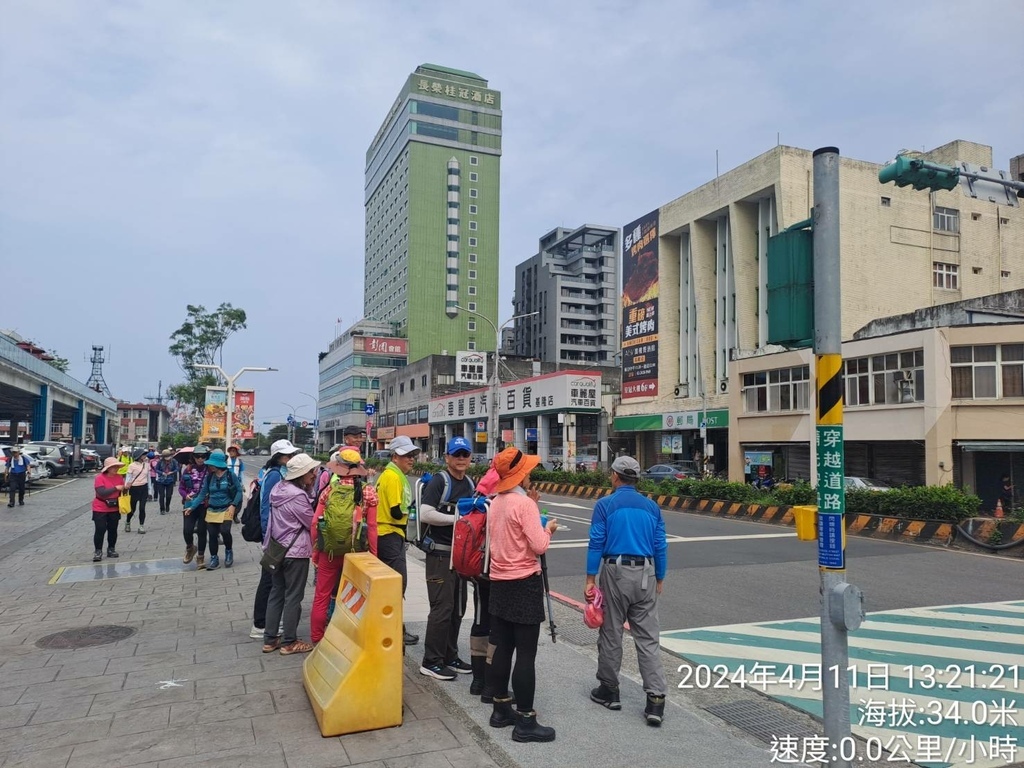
(431, 197)
(934, 396)
(350, 377)
(142, 424)
(573, 283)
(704, 304)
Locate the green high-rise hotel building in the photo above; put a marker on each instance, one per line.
(432, 186)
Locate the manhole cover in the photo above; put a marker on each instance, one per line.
(759, 719)
(577, 634)
(83, 637)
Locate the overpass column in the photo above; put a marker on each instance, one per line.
(543, 438)
(42, 413)
(519, 426)
(101, 428)
(78, 423)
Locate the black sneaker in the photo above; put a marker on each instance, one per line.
(97, 556)
(111, 553)
(438, 672)
(408, 638)
(606, 697)
(655, 710)
(459, 666)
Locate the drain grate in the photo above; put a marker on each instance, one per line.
(575, 633)
(760, 720)
(84, 637)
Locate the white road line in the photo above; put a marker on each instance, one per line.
(31, 491)
(674, 539)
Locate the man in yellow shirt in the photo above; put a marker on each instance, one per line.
(394, 496)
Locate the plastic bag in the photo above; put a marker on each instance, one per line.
(124, 504)
(593, 613)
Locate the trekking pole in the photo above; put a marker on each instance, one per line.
(547, 594)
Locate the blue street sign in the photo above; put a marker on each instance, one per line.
(291, 420)
(831, 553)
(370, 409)
(531, 434)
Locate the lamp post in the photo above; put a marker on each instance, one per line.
(493, 431)
(230, 410)
(291, 419)
(316, 418)
(369, 393)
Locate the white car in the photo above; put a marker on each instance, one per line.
(37, 469)
(866, 484)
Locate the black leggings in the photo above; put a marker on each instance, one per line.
(224, 529)
(195, 524)
(105, 522)
(522, 639)
(138, 495)
(164, 493)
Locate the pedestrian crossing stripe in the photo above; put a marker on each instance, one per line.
(350, 596)
(923, 652)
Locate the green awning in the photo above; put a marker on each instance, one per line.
(991, 446)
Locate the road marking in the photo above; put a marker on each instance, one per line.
(675, 539)
(172, 683)
(56, 576)
(49, 487)
(565, 504)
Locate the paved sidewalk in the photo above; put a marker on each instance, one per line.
(188, 688)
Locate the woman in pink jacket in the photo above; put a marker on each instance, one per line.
(517, 594)
(291, 516)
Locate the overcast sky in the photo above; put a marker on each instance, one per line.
(154, 154)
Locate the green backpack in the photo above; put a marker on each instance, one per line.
(343, 527)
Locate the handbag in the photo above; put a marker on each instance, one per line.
(124, 504)
(274, 554)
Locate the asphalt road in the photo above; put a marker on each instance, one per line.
(724, 571)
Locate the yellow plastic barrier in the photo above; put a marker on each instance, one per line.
(806, 519)
(354, 676)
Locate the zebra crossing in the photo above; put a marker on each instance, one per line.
(938, 687)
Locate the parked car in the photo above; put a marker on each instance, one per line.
(91, 460)
(382, 455)
(866, 484)
(51, 456)
(660, 472)
(68, 452)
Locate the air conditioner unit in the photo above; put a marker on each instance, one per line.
(682, 390)
(723, 386)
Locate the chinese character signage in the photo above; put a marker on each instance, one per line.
(563, 391)
(243, 415)
(381, 345)
(831, 497)
(479, 96)
(640, 308)
(470, 368)
(215, 414)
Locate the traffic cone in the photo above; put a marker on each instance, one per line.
(999, 508)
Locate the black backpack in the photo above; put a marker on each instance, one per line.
(252, 526)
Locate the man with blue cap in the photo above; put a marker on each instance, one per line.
(446, 590)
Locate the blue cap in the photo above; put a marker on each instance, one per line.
(459, 444)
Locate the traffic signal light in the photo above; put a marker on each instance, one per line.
(919, 174)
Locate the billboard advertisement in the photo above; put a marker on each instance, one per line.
(243, 415)
(640, 307)
(215, 414)
(381, 345)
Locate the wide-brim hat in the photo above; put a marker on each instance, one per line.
(166, 453)
(347, 463)
(512, 465)
(111, 462)
(299, 465)
(217, 460)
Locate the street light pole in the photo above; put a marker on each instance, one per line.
(316, 418)
(493, 431)
(230, 410)
(291, 426)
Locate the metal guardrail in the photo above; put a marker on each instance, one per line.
(19, 358)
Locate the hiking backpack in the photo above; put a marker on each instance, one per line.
(470, 542)
(345, 525)
(252, 526)
(421, 537)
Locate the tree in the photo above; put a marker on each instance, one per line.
(278, 432)
(58, 362)
(200, 340)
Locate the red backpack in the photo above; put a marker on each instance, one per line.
(469, 538)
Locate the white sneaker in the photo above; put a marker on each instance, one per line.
(142, 529)
(256, 633)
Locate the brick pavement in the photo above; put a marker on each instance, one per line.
(230, 705)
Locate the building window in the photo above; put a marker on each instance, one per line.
(472, 274)
(472, 209)
(472, 260)
(472, 290)
(946, 276)
(472, 306)
(987, 371)
(1003, 273)
(472, 225)
(473, 192)
(443, 379)
(423, 380)
(474, 160)
(474, 176)
(412, 385)
(784, 389)
(946, 219)
(889, 379)
(401, 388)
(472, 242)
(886, 202)
(471, 345)
(471, 326)
(975, 217)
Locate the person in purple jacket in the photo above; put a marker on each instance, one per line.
(194, 525)
(291, 515)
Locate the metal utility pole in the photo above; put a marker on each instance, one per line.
(841, 602)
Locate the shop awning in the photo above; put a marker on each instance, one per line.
(991, 446)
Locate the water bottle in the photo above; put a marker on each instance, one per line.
(544, 517)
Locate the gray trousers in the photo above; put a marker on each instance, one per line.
(288, 587)
(625, 598)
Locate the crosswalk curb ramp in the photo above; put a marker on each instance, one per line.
(354, 675)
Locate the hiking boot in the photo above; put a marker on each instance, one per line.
(460, 666)
(200, 562)
(606, 697)
(528, 729)
(214, 563)
(655, 710)
(111, 552)
(502, 716)
(97, 556)
(142, 529)
(408, 638)
(479, 667)
(229, 558)
(190, 552)
(438, 672)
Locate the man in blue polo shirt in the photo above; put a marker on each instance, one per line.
(17, 472)
(629, 548)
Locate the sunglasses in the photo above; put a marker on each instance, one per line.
(461, 454)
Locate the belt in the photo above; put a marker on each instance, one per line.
(628, 559)
(439, 549)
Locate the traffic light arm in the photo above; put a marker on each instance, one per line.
(920, 174)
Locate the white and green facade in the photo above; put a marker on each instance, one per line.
(432, 198)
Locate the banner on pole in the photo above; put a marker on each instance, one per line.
(243, 415)
(215, 414)
(640, 292)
